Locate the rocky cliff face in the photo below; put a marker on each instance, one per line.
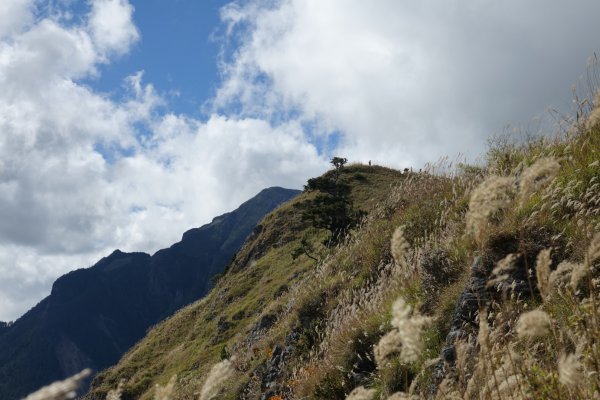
(94, 315)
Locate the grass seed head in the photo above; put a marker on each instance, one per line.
(409, 328)
(399, 246)
(594, 117)
(537, 176)
(542, 271)
(61, 390)
(219, 374)
(389, 344)
(492, 195)
(164, 392)
(115, 394)
(533, 324)
(570, 370)
(360, 393)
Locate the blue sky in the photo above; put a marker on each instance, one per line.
(96, 155)
(177, 52)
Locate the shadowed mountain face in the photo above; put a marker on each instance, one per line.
(4, 326)
(94, 315)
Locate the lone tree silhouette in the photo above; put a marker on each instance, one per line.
(332, 208)
(338, 163)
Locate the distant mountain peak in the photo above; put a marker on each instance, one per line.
(94, 315)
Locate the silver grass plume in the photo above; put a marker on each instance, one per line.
(533, 324)
(404, 338)
(483, 336)
(561, 276)
(219, 374)
(501, 272)
(543, 272)
(399, 246)
(594, 117)
(360, 393)
(570, 370)
(389, 344)
(164, 392)
(115, 394)
(492, 195)
(61, 390)
(539, 175)
(401, 396)
(581, 271)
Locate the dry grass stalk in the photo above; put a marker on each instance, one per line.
(409, 328)
(543, 272)
(539, 175)
(115, 394)
(219, 374)
(401, 396)
(399, 247)
(492, 195)
(61, 390)
(560, 278)
(570, 370)
(594, 117)
(164, 392)
(360, 393)
(533, 324)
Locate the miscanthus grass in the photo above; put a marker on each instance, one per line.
(218, 376)
(594, 117)
(165, 392)
(61, 390)
(539, 175)
(533, 324)
(493, 195)
(405, 337)
(361, 393)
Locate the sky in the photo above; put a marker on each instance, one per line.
(123, 123)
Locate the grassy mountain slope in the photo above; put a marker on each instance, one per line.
(94, 315)
(496, 267)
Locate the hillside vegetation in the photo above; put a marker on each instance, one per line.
(481, 283)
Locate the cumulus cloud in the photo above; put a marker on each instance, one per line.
(82, 173)
(111, 27)
(407, 82)
(14, 16)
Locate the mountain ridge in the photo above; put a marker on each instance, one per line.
(466, 283)
(93, 315)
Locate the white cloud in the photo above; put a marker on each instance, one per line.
(14, 16)
(111, 26)
(67, 194)
(404, 82)
(407, 82)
